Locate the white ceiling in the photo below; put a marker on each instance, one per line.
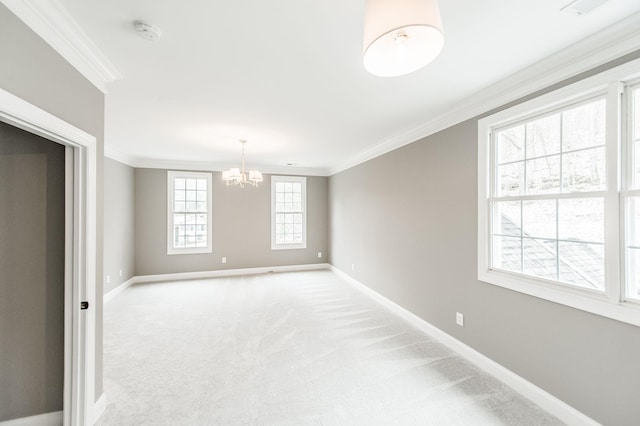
(287, 74)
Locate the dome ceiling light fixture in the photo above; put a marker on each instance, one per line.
(238, 176)
(401, 36)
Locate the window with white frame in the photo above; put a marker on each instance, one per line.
(554, 174)
(189, 212)
(288, 212)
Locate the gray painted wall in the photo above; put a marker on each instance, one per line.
(119, 232)
(407, 221)
(241, 227)
(33, 71)
(32, 188)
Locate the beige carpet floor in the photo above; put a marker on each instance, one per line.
(301, 348)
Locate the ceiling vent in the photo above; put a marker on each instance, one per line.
(147, 31)
(582, 7)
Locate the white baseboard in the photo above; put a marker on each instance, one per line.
(47, 419)
(544, 399)
(116, 291)
(99, 407)
(228, 272)
(210, 274)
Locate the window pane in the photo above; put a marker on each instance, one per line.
(191, 183)
(539, 218)
(201, 195)
(581, 219)
(543, 136)
(636, 113)
(633, 222)
(540, 258)
(510, 179)
(582, 264)
(584, 126)
(507, 253)
(179, 183)
(633, 273)
(201, 184)
(179, 195)
(191, 195)
(506, 218)
(288, 187)
(635, 167)
(635, 126)
(510, 144)
(179, 206)
(584, 170)
(543, 175)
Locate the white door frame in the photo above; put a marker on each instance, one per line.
(80, 249)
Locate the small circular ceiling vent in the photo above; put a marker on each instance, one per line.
(147, 31)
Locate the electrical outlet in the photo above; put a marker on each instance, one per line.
(108, 279)
(224, 260)
(353, 266)
(459, 319)
(120, 272)
(320, 254)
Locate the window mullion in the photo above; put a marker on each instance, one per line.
(613, 238)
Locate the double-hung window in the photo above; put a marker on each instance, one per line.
(288, 212)
(189, 212)
(559, 196)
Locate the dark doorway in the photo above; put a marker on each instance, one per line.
(32, 294)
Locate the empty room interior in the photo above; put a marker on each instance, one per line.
(398, 212)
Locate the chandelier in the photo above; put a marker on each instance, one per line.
(238, 176)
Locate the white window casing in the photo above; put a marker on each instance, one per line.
(618, 297)
(189, 212)
(288, 212)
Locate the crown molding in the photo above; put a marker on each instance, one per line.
(115, 154)
(56, 26)
(150, 163)
(609, 44)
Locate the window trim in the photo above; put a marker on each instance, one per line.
(298, 179)
(171, 176)
(612, 303)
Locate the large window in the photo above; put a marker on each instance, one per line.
(189, 212)
(559, 196)
(548, 207)
(288, 212)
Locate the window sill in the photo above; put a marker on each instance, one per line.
(289, 247)
(171, 251)
(584, 299)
